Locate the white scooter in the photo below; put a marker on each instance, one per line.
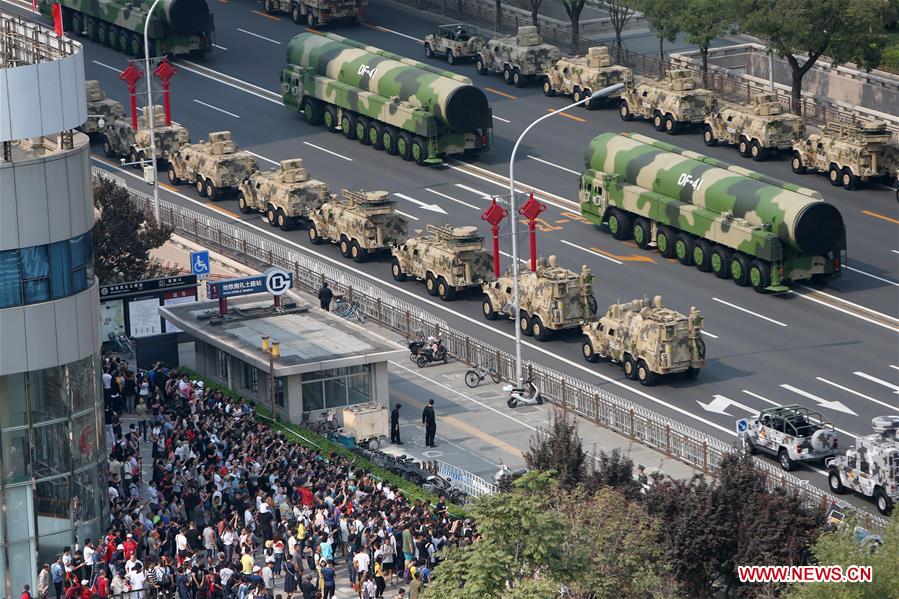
(528, 395)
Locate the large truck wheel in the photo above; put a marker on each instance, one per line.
(760, 275)
(329, 118)
(429, 53)
(642, 233)
(646, 376)
(404, 146)
(77, 23)
(708, 137)
(479, 66)
(756, 151)
(538, 330)
(739, 269)
(271, 215)
(357, 252)
(672, 127)
(619, 224)
(849, 180)
(396, 270)
(683, 248)
(884, 503)
(702, 255)
(487, 308)
(314, 237)
(200, 186)
(658, 121)
(835, 175)
(136, 45)
(548, 90)
(833, 479)
(344, 246)
(419, 150)
(796, 164)
(630, 367)
(665, 241)
(284, 222)
(173, 176)
(719, 261)
(362, 130)
(312, 110)
(450, 57)
(587, 349)
(374, 135)
(743, 147)
(624, 111)
(444, 291)
(241, 202)
(348, 125)
(311, 21)
(431, 283)
(388, 140)
(108, 149)
(296, 15)
(524, 323)
(212, 192)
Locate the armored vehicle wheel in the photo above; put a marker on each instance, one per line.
(212, 191)
(269, 6)
(646, 376)
(348, 126)
(739, 269)
(329, 118)
(756, 151)
(396, 270)
(103, 33)
(284, 223)
(624, 111)
(849, 180)
(357, 252)
(507, 74)
(833, 479)
(796, 164)
(312, 111)
(479, 66)
(121, 42)
(173, 176)
(200, 186)
(719, 261)
(538, 331)
(630, 367)
(271, 215)
(375, 130)
(642, 233)
(311, 21)
(760, 275)
(388, 140)
(242, 203)
(835, 175)
(450, 57)
(404, 146)
(517, 79)
(665, 242)
(135, 45)
(743, 147)
(683, 248)
(133, 158)
(884, 503)
(702, 255)
(784, 458)
(431, 284)
(344, 246)
(361, 129)
(708, 137)
(548, 90)
(587, 94)
(672, 127)
(587, 349)
(419, 150)
(314, 237)
(77, 23)
(658, 121)
(90, 28)
(487, 308)
(444, 291)
(619, 224)
(108, 149)
(428, 52)
(295, 14)
(577, 96)
(524, 323)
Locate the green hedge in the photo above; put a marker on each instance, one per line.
(311, 440)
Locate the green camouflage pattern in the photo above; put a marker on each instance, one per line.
(362, 223)
(120, 139)
(454, 42)
(519, 58)
(652, 189)
(580, 76)
(552, 298)
(849, 153)
(358, 84)
(99, 107)
(119, 24)
(881, 452)
(671, 103)
(647, 339)
(285, 195)
(448, 259)
(214, 167)
(318, 12)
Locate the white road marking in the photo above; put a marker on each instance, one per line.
(22, 4)
(895, 251)
(874, 379)
(548, 163)
(237, 116)
(222, 78)
(735, 307)
(854, 392)
(704, 332)
(407, 215)
(757, 396)
(261, 157)
(106, 66)
(720, 404)
(894, 366)
(597, 254)
(502, 120)
(424, 206)
(328, 151)
(844, 311)
(477, 192)
(518, 187)
(867, 274)
(509, 256)
(408, 37)
(443, 195)
(824, 403)
(219, 47)
(262, 37)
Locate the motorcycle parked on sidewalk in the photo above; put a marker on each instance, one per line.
(526, 395)
(435, 352)
(419, 346)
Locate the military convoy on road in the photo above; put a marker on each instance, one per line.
(755, 129)
(871, 466)
(455, 42)
(672, 103)
(793, 433)
(318, 12)
(648, 340)
(580, 76)
(100, 109)
(519, 58)
(120, 139)
(214, 167)
(363, 223)
(285, 195)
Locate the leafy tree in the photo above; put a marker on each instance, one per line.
(705, 20)
(614, 470)
(535, 7)
(664, 18)
(620, 13)
(559, 450)
(574, 8)
(123, 237)
(842, 30)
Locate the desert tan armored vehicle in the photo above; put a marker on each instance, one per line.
(580, 76)
(362, 223)
(455, 42)
(213, 167)
(552, 299)
(648, 340)
(285, 195)
(671, 103)
(871, 466)
(755, 128)
(849, 153)
(520, 58)
(119, 139)
(99, 107)
(448, 259)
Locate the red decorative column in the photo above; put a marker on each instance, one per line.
(494, 215)
(165, 71)
(131, 76)
(531, 210)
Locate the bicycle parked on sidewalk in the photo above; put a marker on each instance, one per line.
(348, 309)
(478, 372)
(121, 344)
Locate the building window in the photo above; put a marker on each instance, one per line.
(43, 272)
(221, 364)
(250, 378)
(336, 388)
(279, 391)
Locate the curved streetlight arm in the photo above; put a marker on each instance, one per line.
(152, 116)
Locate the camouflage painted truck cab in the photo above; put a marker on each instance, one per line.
(214, 167)
(578, 77)
(455, 42)
(849, 154)
(519, 58)
(448, 259)
(318, 12)
(177, 27)
(756, 129)
(871, 466)
(361, 224)
(285, 195)
(99, 107)
(391, 103)
(721, 218)
(648, 340)
(552, 298)
(120, 139)
(672, 103)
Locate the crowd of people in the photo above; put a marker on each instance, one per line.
(231, 508)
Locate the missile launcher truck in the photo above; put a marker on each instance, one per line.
(214, 167)
(455, 42)
(849, 153)
(756, 129)
(120, 139)
(99, 107)
(871, 466)
(578, 77)
(177, 27)
(318, 12)
(404, 107)
(648, 340)
(672, 103)
(724, 219)
(520, 58)
(448, 259)
(285, 195)
(362, 224)
(552, 299)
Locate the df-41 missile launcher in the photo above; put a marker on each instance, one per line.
(756, 129)
(362, 223)
(285, 195)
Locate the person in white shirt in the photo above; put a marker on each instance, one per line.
(225, 575)
(136, 580)
(181, 541)
(361, 561)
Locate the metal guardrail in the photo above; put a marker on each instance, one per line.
(471, 484)
(597, 405)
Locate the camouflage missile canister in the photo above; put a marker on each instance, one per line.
(177, 26)
(393, 103)
(725, 219)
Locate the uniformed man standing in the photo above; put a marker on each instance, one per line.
(429, 419)
(325, 295)
(395, 425)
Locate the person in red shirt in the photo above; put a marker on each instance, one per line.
(86, 591)
(26, 592)
(130, 547)
(306, 495)
(101, 587)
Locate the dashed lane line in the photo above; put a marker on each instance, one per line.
(499, 93)
(328, 151)
(867, 274)
(597, 254)
(262, 37)
(854, 392)
(548, 163)
(222, 110)
(443, 195)
(756, 314)
(386, 30)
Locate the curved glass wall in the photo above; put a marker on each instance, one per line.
(41, 273)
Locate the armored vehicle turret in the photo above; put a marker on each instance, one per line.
(120, 139)
(362, 223)
(520, 58)
(552, 298)
(648, 340)
(213, 167)
(285, 195)
(456, 42)
(671, 103)
(849, 153)
(99, 107)
(871, 466)
(580, 76)
(755, 129)
(448, 259)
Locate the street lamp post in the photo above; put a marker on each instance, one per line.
(513, 211)
(273, 349)
(152, 114)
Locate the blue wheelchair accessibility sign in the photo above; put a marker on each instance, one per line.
(199, 264)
